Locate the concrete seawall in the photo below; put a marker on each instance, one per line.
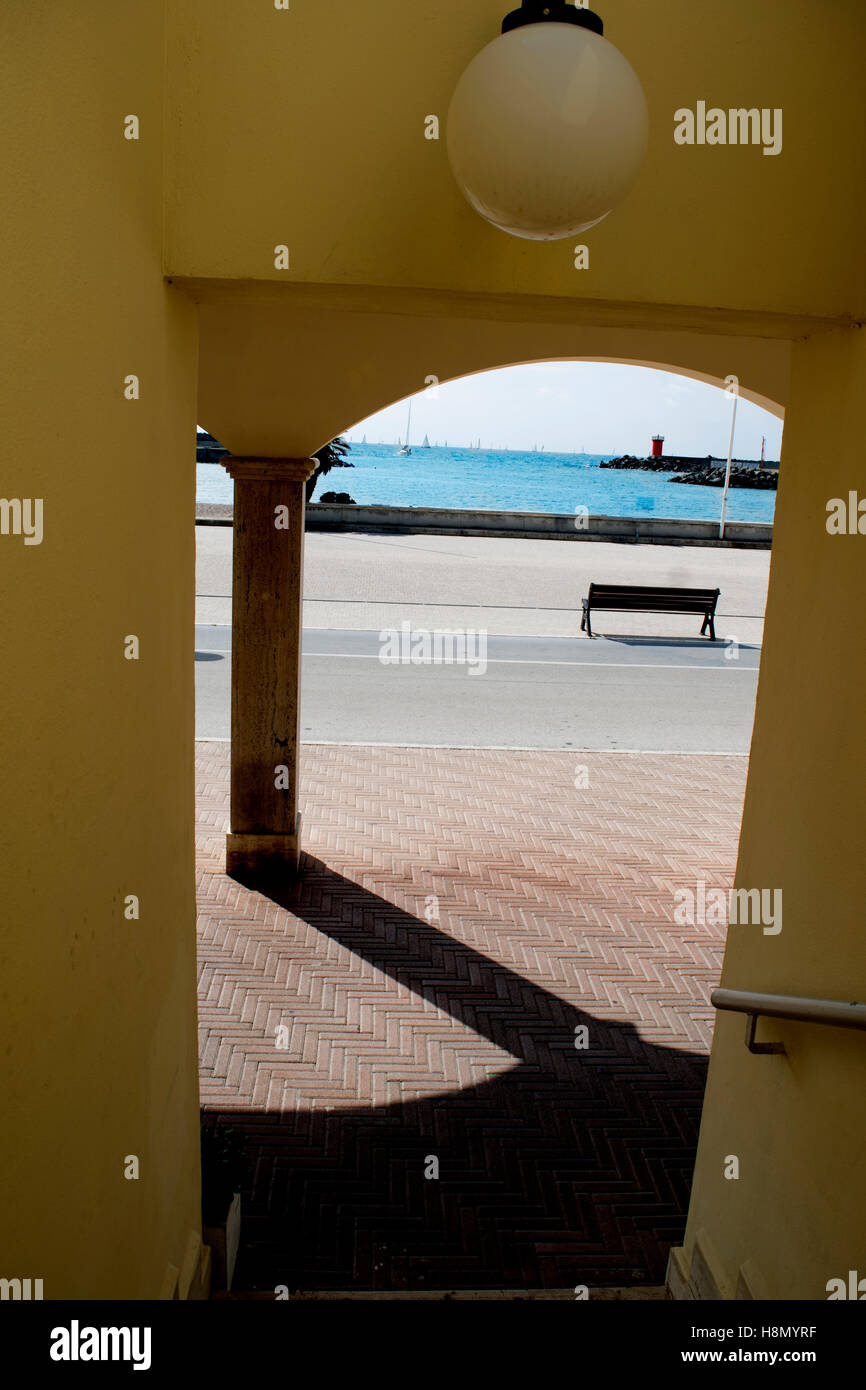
(533, 525)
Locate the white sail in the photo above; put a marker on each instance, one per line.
(407, 449)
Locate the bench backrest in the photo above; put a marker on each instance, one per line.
(648, 596)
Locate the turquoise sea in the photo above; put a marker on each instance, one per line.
(508, 481)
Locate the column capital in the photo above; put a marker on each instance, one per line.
(268, 470)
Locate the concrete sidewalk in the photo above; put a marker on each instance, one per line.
(508, 587)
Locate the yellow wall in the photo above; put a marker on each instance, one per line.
(715, 263)
(797, 1122)
(286, 376)
(306, 127)
(98, 1013)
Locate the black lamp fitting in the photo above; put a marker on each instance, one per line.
(551, 12)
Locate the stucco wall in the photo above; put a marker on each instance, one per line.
(98, 1011)
(284, 377)
(306, 127)
(797, 1122)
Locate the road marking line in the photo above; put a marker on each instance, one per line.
(507, 748)
(519, 661)
(514, 661)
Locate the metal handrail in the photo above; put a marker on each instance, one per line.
(831, 1012)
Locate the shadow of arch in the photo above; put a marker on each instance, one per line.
(569, 1167)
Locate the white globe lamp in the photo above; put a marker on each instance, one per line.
(547, 127)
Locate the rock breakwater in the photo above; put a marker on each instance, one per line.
(705, 472)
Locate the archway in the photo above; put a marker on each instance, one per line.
(326, 899)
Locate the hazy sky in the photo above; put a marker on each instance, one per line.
(572, 407)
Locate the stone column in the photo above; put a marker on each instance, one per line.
(266, 662)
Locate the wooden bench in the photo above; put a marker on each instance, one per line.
(650, 598)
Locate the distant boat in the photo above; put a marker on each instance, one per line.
(364, 440)
(426, 444)
(407, 449)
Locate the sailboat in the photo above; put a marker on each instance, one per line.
(426, 444)
(406, 449)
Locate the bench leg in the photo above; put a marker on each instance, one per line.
(709, 623)
(588, 621)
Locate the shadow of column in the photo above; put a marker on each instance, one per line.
(571, 1167)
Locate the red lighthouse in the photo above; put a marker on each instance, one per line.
(658, 441)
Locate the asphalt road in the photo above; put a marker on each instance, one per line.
(637, 693)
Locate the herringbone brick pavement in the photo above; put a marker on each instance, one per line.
(415, 995)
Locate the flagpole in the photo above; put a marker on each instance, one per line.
(728, 469)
